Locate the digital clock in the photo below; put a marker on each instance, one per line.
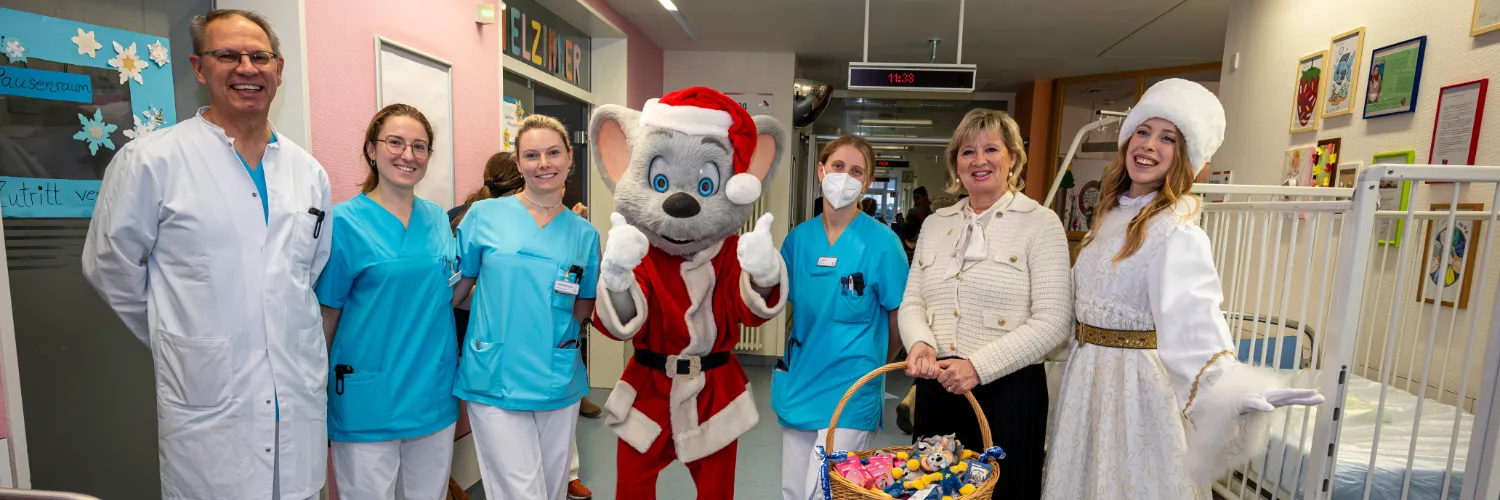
(920, 77)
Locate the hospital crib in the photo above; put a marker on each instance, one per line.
(1326, 287)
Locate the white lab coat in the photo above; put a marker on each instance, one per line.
(179, 246)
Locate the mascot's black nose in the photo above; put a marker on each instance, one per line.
(681, 205)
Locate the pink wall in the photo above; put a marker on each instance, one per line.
(341, 80)
(643, 57)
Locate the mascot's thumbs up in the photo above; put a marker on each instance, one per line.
(757, 257)
(624, 250)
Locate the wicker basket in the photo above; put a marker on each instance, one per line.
(842, 489)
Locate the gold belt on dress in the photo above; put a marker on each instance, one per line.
(1122, 339)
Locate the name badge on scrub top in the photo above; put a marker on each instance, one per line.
(828, 261)
(567, 280)
(449, 266)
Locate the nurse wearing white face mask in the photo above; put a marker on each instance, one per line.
(848, 275)
(223, 298)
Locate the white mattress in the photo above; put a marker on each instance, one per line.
(1434, 439)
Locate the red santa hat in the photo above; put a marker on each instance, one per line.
(705, 111)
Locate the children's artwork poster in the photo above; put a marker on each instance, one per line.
(1084, 204)
(1297, 167)
(510, 121)
(1486, 17)
(71, 94)
(1348, 174)
(1394, 195)
(1448, 271)
(1325, 160)
(1311, 70)
(1217, 177)
(1343, 55)
(1395, 76)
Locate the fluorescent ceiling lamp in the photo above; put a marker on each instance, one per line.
(889, 148)
(883, 121)
(668, 5)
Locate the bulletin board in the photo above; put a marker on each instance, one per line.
(408, 76)
(71, 95)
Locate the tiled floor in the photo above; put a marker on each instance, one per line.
(759, 461)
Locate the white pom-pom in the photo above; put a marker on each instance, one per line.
(743, 189)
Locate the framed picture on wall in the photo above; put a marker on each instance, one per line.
(1394, 78)
(1455, 129)
(1308, 86)
(1343, 81)
(1448, 258)
(1348, 174)
(1486, 17)
(1394, 195)
(1325, 160)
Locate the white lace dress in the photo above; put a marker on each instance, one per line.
(1119, 430)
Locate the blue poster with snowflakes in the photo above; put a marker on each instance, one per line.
(71, 95)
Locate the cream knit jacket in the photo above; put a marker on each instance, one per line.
(1002, 313)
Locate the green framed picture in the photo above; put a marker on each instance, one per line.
(1394, 195)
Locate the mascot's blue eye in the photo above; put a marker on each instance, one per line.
(658, 174)
(708, 179)
(659, 183)
(705, 187)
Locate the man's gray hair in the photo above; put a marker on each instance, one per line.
(199, 25)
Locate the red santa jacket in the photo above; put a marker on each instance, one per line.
(686, 306)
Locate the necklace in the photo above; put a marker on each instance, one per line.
(539, 205)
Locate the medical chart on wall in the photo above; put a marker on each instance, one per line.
(71, 95)
(1456, 133)
(412, 78)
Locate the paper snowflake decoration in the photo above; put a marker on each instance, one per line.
(129, 64)
(86, 43)
(95, 132)
(158, 53)
(15, 51)
(144, 127)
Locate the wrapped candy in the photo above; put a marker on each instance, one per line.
(855, 473)
(978, 472)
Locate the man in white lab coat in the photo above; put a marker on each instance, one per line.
(224, 298)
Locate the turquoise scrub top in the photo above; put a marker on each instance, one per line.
(396, 330)
(838, 335)
(521, 350)
(258, 176)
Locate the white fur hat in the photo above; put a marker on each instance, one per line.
(1195, 111)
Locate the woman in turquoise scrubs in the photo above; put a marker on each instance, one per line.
(848, 274)
(537, 266)
(393, 355)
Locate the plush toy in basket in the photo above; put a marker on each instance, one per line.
(936, 468)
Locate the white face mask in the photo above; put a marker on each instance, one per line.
(840, 189)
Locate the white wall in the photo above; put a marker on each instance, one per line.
(748, 72)
(1268, 37)
(290, 113)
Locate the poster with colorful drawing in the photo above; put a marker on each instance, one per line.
(1343, 55)
(1308, 86)
(1297, 167)
(1325, 160)
(1448, 271)
(73, 94)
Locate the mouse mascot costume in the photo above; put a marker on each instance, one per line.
(678, 282)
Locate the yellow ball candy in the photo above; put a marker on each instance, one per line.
(967, 490)
(902, 456)
(897, 473)
(913, 464)
(946, 497)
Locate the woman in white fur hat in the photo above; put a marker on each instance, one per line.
(1153, 402)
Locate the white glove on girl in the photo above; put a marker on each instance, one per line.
(624, 251)
(757, 257)
(1274, 398)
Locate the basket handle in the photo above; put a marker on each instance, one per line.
(984, 424)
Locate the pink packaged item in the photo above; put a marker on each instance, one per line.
(855, 473)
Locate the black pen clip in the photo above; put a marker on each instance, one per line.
(317, 228)
(338, 377)
(858, 280)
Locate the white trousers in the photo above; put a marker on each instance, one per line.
(523, 454)
(403, 469)
(573, 465)
(800, 469)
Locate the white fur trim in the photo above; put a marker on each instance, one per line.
(633, 427)
(695, 441)
(698, 278)
(755, 302)
(742, 189)
(1220, 437)
(1193, 109)
(691, 120)
(605, 308)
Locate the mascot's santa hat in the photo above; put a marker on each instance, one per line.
(703, 111)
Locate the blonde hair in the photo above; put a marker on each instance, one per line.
(859, 143)
(542, 122)
(1175, 186)
(974, 122)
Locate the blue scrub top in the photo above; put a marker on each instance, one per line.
(838, 335)
(521, 350)
(258, 176)
(396, 329)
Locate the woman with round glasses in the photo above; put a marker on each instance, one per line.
(387, 313)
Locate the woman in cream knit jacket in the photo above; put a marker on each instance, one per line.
(988, 296)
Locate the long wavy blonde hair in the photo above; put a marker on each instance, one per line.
(1116, 183)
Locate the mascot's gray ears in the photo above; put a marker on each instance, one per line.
(612, 128)
(772, 136)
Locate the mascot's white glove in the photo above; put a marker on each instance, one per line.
(626, 248)
(1273, 398)
(757, 257)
